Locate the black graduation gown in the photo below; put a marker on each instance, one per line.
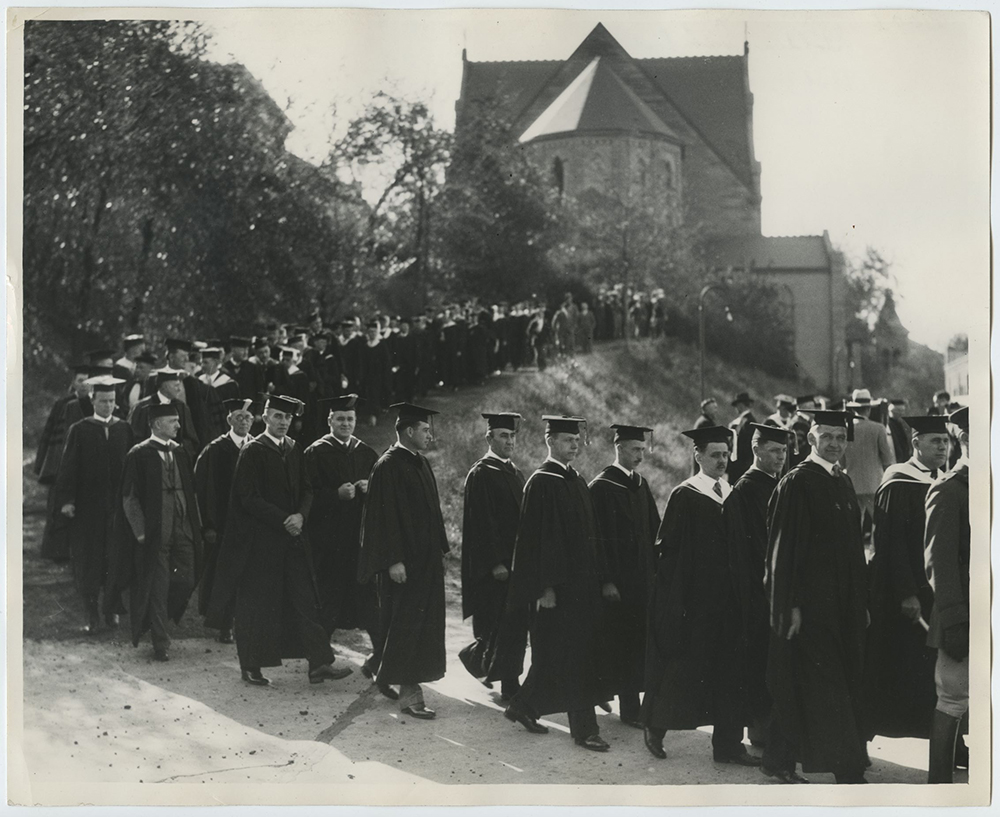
(375, 383)
(90, 478)
(402, 522)
(627, 522)
(213, 482)
(816, 562)
(899, 666)
(901, 439)
(693, 660)
(187, 437)
(743, 452)
(257, 551)
(404, 361)
(557, 547)
(334, 531)
(131, 565)
(249, 378)
(477, 354)
(493, 490)
(55, 542)
(751, 495)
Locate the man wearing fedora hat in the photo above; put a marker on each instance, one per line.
(868, 454)
(742, 428)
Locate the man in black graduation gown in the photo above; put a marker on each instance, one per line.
(337, 466)
(403, 543)
(493, 490)
(265, 562)
(899, 431)
(899, 666)
(627, 521)
(816, 586)
(213, 482)
(947, 551)
(248, 375)
(87, 491)
(694, 671)
(204, 404)
(742, 456)
(375, 372)
(157, 542)
(557, 577)
(169, 390)
(751, 495)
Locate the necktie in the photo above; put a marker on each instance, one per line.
(934, 474)
(717, 489)
(837, 470)
(637, 480)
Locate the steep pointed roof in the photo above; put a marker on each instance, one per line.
(709, 93)
(596, 100)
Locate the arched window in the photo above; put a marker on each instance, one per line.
(558, 175)
(668, 174)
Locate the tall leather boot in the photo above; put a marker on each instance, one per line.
(941, 763)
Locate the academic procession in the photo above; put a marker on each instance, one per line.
(805, 590)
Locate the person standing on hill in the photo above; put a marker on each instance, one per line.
(403, 543)
(213, 481)
(556, 579)
(493, 490)
(627, 521)
(899, 667)
(87, 490)
(816, 586)
(947, 553)
(742, 427)
(585, 326)
(694, 667)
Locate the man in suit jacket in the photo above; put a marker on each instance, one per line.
(868, 455)
(947, 539)
(169, 389)
(742, 427)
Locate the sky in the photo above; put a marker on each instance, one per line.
(873, 126)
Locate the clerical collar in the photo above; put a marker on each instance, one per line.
(490, 453)
(163, 442)
(240, 441)
(273, 439)
(106, 420)
(623, 469)
(816, 458)
(163, 398)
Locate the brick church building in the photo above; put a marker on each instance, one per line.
(604, 120)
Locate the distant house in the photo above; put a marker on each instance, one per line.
(603, 120)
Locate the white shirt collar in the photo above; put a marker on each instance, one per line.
(816, 458)
(564, 466)
(491, 454)
(240, 441)
(704, 484)
(161, 441)
(106, 420)
(622, 468)
(273, 439)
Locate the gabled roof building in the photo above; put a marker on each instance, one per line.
(604, 120)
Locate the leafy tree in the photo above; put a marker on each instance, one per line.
(868, 279)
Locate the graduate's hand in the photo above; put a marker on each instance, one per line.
(610, 592)
(397, 573)
(911, 608)
(346, 491)
(796, 624)
(363, 485)
(69, 509)
(500, 573)
(548, 599)
(293, 524)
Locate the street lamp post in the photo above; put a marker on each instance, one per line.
(701, 330)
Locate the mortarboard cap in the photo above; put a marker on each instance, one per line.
(409, 411)
(239, 340)
(166, 374)
(178, 344)
(373, 324)
(259, 343)
(211, 352)
(285, 403)
(560, 424)
(623, 433)
(503, 419)
(288, 351)
(805, 400)
(103, 382)
(742, 397)
(133, 340)
(784, 400)
(839, 419)
(81, 368)
(146, 357)
(710, 434)
(772, 434)
(162, 410)
(928, 424)
(99, 371)
(100, 354)
(345, 402)
(237, 404)
(960, 418)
